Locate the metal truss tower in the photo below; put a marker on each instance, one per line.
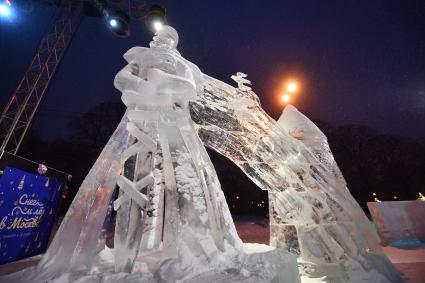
(23, 105)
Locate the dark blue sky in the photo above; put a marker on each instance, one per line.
(358, 61)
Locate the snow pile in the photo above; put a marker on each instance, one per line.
(259, 263)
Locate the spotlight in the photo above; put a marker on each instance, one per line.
(119, 23)
(157, 25)
(5, 10)
(155, 18)
(113, 23)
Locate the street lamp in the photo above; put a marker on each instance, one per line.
(292, 87)
(286, 98)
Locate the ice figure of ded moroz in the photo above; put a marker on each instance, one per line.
(172, 223)
(312, 213)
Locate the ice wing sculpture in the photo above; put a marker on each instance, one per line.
(311, 210)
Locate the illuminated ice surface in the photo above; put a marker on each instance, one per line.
(312, 213)
(173, 223)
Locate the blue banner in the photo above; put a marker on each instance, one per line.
(28, 204)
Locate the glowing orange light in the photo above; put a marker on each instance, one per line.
(292, 87)
(286, 98)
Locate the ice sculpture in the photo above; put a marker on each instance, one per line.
(171, 203)
(173, 223)
(311, 211)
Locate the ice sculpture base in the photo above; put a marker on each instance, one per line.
(258, 263)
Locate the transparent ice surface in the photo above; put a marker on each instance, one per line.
(77, 240)
(312, 212)
(173, 223)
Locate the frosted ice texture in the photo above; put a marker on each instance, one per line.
(183, 217)
(173, 222)
(77, 240)
(312, 212)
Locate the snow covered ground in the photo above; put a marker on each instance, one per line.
(411, 263)
(254, 229)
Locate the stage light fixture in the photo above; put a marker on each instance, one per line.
(119, 23)
(155, 18)
(157, 25)
(113, 23)
(5, 10)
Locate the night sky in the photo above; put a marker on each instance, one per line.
(357, 62)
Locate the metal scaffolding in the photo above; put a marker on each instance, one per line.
(23, 105)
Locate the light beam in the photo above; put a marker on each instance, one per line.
(5, 10)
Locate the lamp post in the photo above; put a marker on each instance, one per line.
(290, 89)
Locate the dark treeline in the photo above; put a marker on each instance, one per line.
(371, 162)
(392, 167)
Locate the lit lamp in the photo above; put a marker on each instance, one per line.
(291, 88)
(119, 23)
(286, 98)
(155, 18)
(5, 9)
